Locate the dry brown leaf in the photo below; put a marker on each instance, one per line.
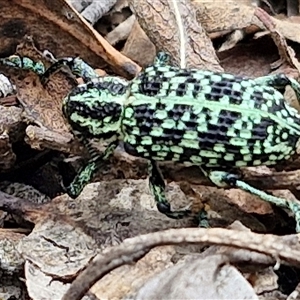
(251, 59)
(139, 47)
(68, 233)
(287, 54)
(127, 279)
(226, 207)
(41, 138)
(105, 213)
(289, 28)
(109, 212)
(57, 27)
(219, 18)
(248, 203)
(60, 249)
(41, 286)
(41, 104)
(225, 16)
(121, 32)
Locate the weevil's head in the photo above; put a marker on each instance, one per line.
(95, 109)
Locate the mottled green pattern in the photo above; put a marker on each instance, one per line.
(208, 119)
(93, 101)
(213, 120)
(76, 65)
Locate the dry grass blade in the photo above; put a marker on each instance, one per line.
(182, 33)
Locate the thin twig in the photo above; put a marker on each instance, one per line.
(284, 249)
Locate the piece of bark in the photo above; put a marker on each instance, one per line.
(173, 28)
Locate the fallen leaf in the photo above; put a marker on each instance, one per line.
(57, 27)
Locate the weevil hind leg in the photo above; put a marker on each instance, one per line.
(226, 179)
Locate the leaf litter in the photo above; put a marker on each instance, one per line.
(63, 237)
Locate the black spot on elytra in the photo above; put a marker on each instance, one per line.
(181, 89)
(144, 130)
(259, 131)
(174, 135)
(143, 112)
(197, 89)
(177, 112)
(144, 116)
(151, 81)
(214, 134)
(191, 80)
(221, 88)
(259, 100)
(217, 133)
(150, 86)
(207, 112)
(271, 91)
(160, 106)
(228, 118)
(257, 96)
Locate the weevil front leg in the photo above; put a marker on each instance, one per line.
(24, 63)
(86, 174)
(225, 179)
(157, 187)
(77, 66)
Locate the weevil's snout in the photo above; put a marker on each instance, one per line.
(93, 111)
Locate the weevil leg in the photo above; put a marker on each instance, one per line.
(157, 187)
(55, 67)
(77, 66)
(80, 68)
(23, 63)
(225, 179)
(86, 173)
(279, 82)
